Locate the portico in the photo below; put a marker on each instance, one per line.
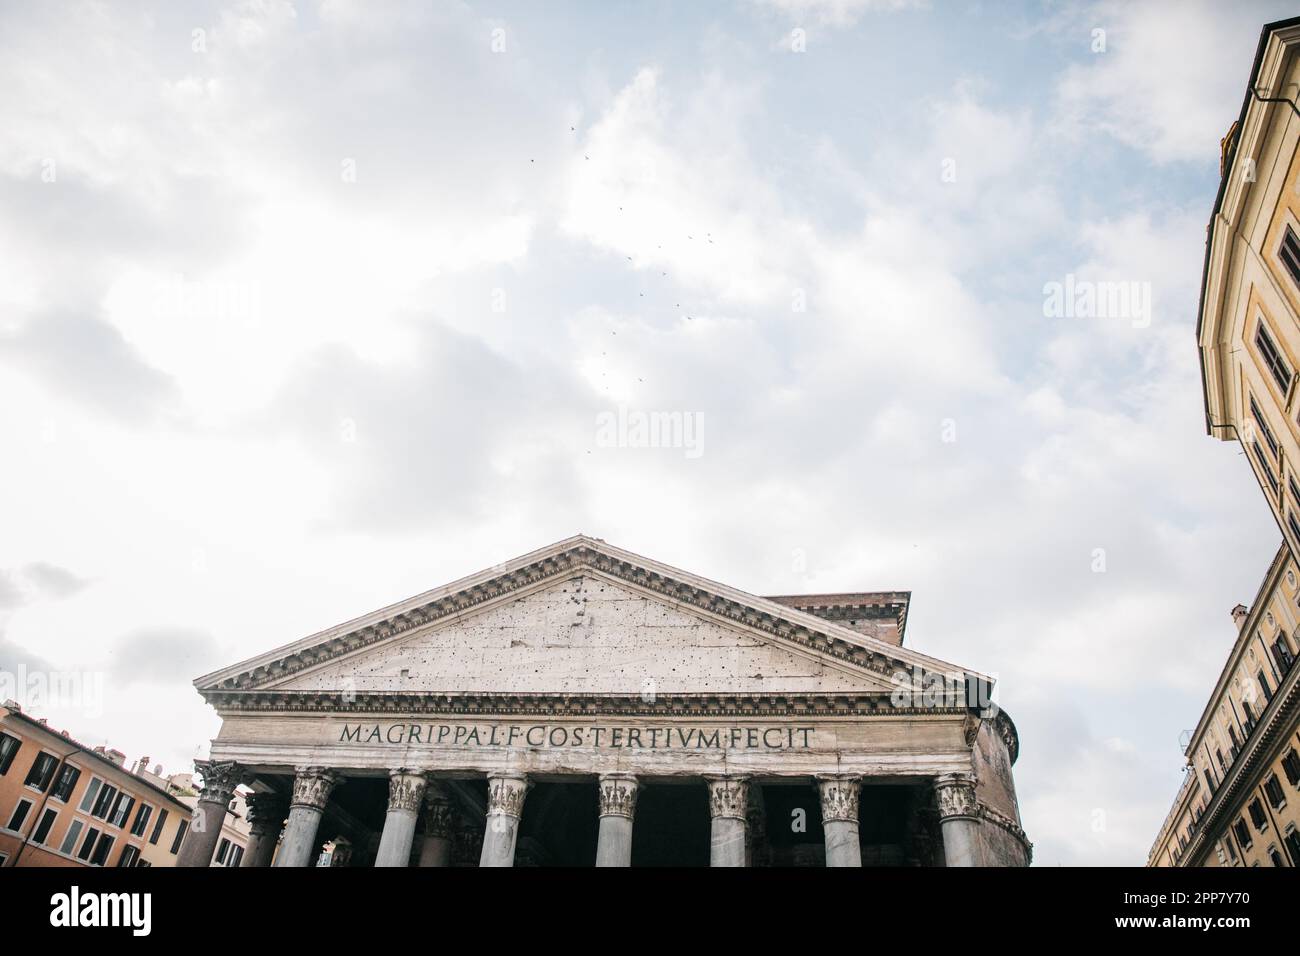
(582, 705)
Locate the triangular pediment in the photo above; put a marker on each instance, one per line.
(585, 634)
(580, 617)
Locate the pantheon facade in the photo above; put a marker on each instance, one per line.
(585, 705)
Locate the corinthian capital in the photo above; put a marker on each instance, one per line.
(438, 814)
(506, 793)
(405, 789)
(955, 794)
(266, 812)
(312, 787)
(728, 797)
(618, 795)
(220, 778)
(839, 795)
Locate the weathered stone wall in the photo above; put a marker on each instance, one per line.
(584, 635)
(996, 787)
(1001, 848)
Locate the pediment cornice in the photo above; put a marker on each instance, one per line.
(496, 704)
(784, 624)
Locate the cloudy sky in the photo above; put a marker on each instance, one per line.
(307, 307)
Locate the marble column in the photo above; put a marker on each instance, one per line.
(438, 818)
(728, 806)
(266, 813)
(839, 795)
(958, 818)
(219, 783)
(311, 791)
(506, 792)
(617, 793)
(757, 849)
(405, 792)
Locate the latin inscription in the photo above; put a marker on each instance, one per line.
(559, 736)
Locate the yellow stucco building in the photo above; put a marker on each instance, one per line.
(1239, 804)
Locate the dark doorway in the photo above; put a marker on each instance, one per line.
(559, 826)
(793, 826)
(884, 813)
(672, 825)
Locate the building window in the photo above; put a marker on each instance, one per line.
(122, 809)
(222, 850)
(1232, 850)
(104, 803)
(1257, 815)
(236, 856)
(1282, 653)
(102, 849)
(1264, 430)
(1264, 466)
(1263, 685)
(70, 838)
(92, 836)
(158, 827)
(130, 854)
(1293, 844)
(92, 791)
(43, 828)
(1295, 530)
(1289, 253)
(1242, 833)
(1268, 351)
(66, 783)
(9, 747)
(141, 819)
(1291, 767)
(1273, 788)
(1275, 856)
(42, 771)
(19, 814)
(180, 836)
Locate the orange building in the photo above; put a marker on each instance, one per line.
(65, 804)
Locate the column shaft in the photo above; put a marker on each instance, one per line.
(405, 791)
(617, 793)
(728, 804)
(266, 813)
(437, 846)
(839, 799)
(219, 782)
(959, 819)
(505, 806)
(311, 791)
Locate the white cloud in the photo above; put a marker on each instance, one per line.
(228, 371)
(836, 13)
(1171, 77)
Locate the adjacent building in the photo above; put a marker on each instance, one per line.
(1239, 804)
(1249, 323)
(63, 803)
(585, 705)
